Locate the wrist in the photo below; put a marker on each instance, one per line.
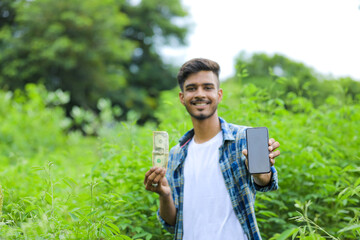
(262, 179)
(164, 194)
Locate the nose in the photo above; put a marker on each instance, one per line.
(200, 93)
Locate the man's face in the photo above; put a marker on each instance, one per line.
(201, 95)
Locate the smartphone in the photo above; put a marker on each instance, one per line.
(257, 141)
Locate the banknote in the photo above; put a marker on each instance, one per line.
(160, 149)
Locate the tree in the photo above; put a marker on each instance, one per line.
(7, 13)
(263, 70)
(287, 79)
(69, 44)
(93, 49)
(151, 26)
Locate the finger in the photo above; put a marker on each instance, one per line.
(152, 177)
(244, 152)
(274, 154)
(272, 161)
(159, 176)
(271, 141)
(148, 173)
(157, 171)
(149, 185)
(274, 146)
(151, 188)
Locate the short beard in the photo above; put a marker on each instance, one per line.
(201, 117)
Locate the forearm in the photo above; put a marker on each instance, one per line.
(262, 179)
(167, 209)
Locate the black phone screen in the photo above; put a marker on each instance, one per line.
(258, 150)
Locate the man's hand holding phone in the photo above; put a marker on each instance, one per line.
(260, 154)
(273, 145)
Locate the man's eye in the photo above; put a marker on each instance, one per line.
(208, 88)
(191, 89)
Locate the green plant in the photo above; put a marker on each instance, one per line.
(74, 186)
(1, 199)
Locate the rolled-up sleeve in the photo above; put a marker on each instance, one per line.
(273, 184)
(169, 174)
(167, 227)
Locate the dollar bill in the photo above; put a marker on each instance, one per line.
(160, 149)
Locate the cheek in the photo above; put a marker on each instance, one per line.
(183, 100)
(186, 98)
(217, 97)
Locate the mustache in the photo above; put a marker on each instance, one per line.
(200, 101)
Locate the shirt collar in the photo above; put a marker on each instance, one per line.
(227, 133)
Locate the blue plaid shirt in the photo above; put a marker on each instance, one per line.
(238, 180)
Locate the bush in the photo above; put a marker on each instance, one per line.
(74, 186)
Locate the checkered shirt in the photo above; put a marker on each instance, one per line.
(239, 182)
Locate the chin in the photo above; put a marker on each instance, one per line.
(202, 116)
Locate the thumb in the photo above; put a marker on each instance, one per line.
(246, 160)
(244, 151)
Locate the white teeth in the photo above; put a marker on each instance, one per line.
(200, 104)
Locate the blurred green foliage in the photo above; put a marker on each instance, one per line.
(286, 79)
(7, 13)
(318, 166)
(39, 163)
(59, 184)
(153, 24)
(1, 199)
(91, 49)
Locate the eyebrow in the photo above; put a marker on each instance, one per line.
(194, 85)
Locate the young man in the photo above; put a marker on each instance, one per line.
(207, 191)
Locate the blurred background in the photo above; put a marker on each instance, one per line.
(84, 83)
(129, 51)
(322, 34)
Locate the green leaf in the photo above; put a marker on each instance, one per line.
(125, 237)
(37, 168)
(30, 208)
(48, 198)
(73, 217)
(287, 233)
(357, 182)
(114, 228)
(268, 213)
(91, 213)
(139, 235)
(69, 181)
(352, 227)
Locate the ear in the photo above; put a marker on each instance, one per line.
(220, 94)
(181, 97)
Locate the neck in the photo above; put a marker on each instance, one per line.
(206, 129)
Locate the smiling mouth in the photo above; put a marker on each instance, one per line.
(200, 103)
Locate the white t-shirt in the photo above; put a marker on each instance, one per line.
(208, 212)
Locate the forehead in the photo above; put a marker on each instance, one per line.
(202, 77)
